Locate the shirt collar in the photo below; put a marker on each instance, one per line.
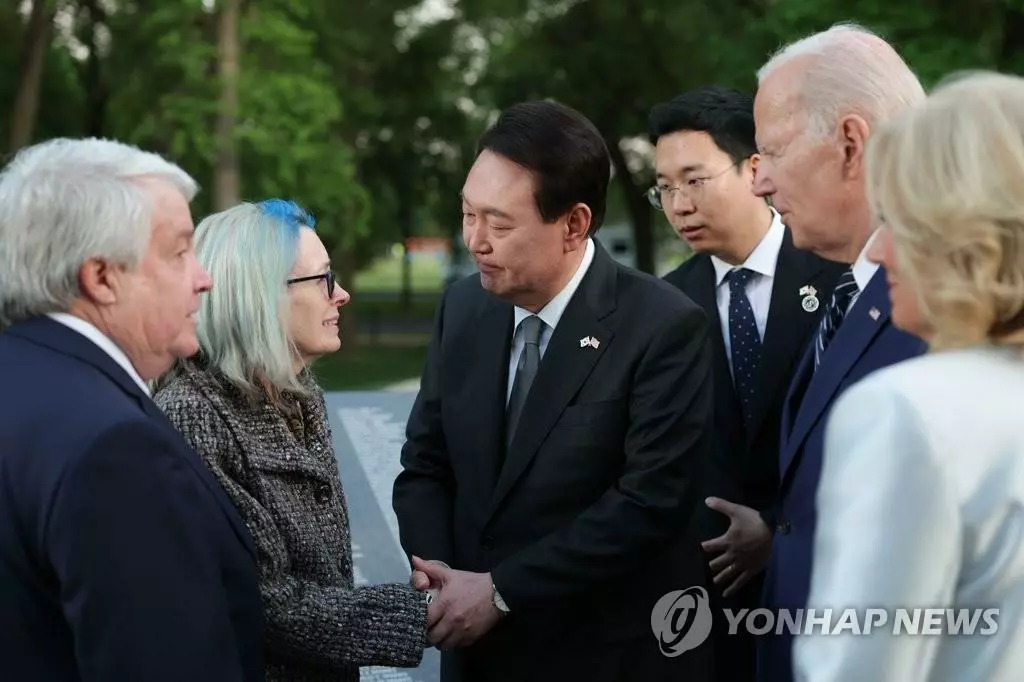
(863, 268)
(89, 331)
(552, 312)
(763, 258)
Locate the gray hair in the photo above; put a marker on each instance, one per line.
(849, 69)
(63, 202)
(249, 250)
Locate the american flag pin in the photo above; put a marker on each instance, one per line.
(594, 342)
(874, 313)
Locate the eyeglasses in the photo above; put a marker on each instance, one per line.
(692, 188)
(327, 277)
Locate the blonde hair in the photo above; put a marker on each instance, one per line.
(947, 178)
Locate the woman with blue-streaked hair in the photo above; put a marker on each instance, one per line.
(249, 405)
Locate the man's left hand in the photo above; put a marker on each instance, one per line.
(463, 610)
(743, 551)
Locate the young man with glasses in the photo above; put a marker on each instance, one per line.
(764, 297)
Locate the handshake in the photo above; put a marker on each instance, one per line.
(462, 606)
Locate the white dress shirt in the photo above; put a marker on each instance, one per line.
(863, 270)
(921, 505)
(761, 260)
(549, 314)
(89, 331)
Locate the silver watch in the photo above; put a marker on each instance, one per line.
(499, 603)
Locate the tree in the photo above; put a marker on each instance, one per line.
(226, 192)
(33, 54)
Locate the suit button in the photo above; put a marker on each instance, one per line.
(783, 527)
(487, 542)
(323, 493)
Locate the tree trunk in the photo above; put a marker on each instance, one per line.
(639, 209)
(95, 84)
(405, 220)
(33, 57)
(345, 268)
(227, 192)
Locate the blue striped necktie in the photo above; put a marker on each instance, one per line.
(846, 289)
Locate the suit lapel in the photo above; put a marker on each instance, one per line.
(868, 317)
(54, 335)
(487, 352)
(563, 369)
(787, 326)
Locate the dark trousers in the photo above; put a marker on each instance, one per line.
(735, 654)
(636, 660)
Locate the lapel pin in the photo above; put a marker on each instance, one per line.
(874, 313)
(594, 342)
(589, 341)
(810, 300)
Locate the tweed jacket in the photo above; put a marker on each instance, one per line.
(278, 467)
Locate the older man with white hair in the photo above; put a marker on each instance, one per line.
(817, 103)
(120, 557)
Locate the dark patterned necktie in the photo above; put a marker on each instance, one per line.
(526, 370)
(846, 289)
(744, 339)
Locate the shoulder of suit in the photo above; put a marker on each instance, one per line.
(686, 269)
(466, 294)
(190, 395)
(945, 377)
(646, 294)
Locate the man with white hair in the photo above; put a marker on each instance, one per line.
(120, 557)
(816, 105)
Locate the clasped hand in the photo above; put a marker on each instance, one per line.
(743, 551)
(462, 609)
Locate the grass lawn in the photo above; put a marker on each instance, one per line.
(369, 367)
(385, 275)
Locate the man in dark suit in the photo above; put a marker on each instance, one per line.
(762, 296)
(120, 558)
(551, 454)
(815, 108)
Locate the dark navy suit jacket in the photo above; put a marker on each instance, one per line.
(866, 341)
(121, 560)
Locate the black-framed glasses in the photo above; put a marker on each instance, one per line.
(327, 277)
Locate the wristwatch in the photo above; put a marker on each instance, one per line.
(499, 603)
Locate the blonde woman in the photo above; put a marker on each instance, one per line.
(921, 503)
(248, 404)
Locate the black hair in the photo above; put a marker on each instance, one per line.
(725, 114)
(562, 148)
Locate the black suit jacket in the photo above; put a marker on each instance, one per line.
(585, 526)
(120, 557)
(745, 464)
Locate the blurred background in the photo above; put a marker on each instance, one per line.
(367, 111)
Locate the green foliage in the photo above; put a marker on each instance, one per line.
(371, 122)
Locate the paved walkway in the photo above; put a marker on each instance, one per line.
(407, 386)
(369, 430)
